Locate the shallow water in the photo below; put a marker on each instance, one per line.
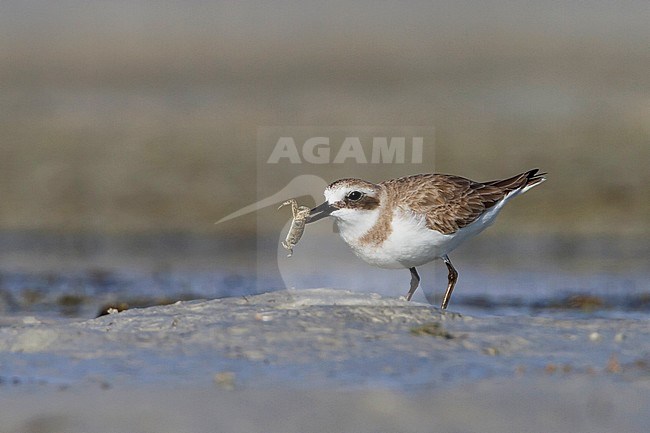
(51, 275)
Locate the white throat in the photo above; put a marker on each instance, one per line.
(354, 223)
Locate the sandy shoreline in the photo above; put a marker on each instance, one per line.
(589, 405)
(284, 360)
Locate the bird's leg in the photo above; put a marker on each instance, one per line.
(452, 277)
(415, 281)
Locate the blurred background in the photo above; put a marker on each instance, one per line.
(127, 128)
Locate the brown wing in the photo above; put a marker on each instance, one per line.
(452, 202)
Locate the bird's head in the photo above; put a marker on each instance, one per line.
(348, 200)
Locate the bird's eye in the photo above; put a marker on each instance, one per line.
(354, 195)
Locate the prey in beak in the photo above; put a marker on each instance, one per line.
(320, 212)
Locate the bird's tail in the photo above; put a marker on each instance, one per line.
(521, 182)
(533, 178)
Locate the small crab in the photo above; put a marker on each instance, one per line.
(300, 215)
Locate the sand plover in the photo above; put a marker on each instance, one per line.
(413, 220)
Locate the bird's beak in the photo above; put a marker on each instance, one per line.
(320, 212)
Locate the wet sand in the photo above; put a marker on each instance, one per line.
(578, 405)
(323, 360)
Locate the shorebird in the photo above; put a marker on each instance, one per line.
(407, 222)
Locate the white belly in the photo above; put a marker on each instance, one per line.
(411, 243)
